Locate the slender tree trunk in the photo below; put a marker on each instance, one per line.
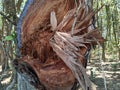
(103, 52)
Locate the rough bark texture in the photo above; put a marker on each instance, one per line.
(44, 54)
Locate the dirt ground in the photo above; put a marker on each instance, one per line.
(112, 74)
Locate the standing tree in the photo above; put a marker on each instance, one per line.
(55, 38)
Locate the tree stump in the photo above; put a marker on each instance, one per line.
(53, 58)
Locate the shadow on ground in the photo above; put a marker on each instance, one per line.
(112, 74)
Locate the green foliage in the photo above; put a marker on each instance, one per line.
(9, 13)
(107, 19)
(10, 37)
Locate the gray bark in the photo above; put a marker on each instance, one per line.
(23, 84)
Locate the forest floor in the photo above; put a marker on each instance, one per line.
(112, 74)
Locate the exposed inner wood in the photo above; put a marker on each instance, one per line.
(36, 50)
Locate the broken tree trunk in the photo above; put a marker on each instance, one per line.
(56, 38)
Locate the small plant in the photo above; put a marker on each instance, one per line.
(114, 67)
(92, 73)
